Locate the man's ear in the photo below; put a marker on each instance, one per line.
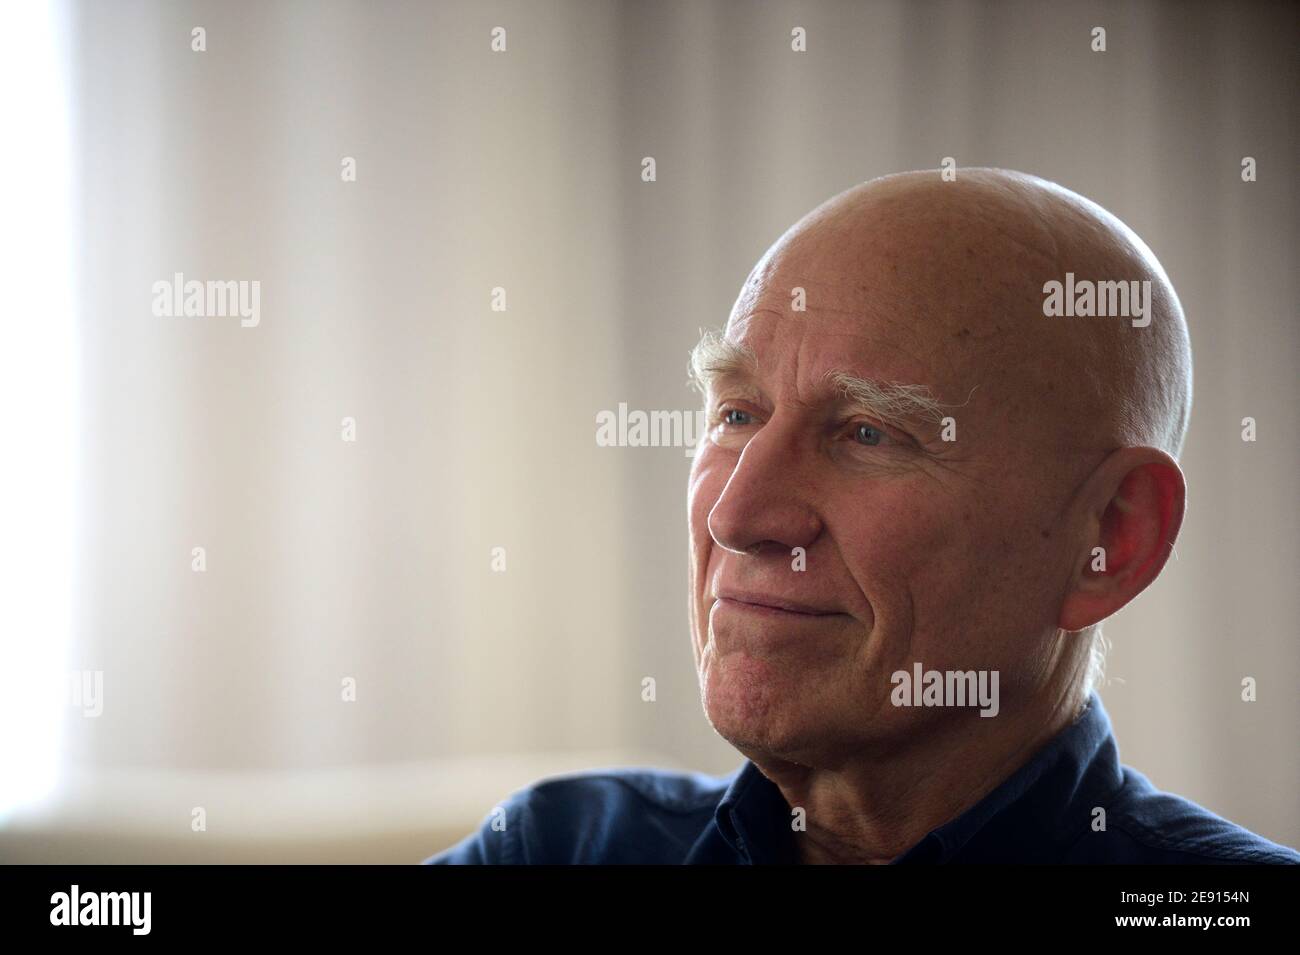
(1135, 500)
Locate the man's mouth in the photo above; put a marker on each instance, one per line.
(771, 605)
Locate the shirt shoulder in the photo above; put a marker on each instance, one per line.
(609, 816)
(1146, 825)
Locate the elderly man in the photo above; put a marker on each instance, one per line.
(944, 419)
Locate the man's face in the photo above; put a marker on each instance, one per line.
(912, 548)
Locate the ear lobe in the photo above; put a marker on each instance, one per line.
(1132, 536)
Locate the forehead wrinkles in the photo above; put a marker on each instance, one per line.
(796, 354)
(869, 312)
(869, 308)
(865, 292)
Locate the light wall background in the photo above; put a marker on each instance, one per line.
(475, 429)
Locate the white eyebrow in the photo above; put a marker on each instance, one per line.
(891, 402)
(716, 357)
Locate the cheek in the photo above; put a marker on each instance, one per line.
(916, 556)
(891, 535)
(708, 478)
(958, 572)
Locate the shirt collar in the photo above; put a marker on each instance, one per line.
(1078, 768)
(754, 819)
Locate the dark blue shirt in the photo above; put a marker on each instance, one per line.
(1042, 813)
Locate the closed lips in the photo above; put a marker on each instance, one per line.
(775, 603)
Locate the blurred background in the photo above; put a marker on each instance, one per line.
(349, 669)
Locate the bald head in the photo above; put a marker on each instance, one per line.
(933, 467)
(971, 259)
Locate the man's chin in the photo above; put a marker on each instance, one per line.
(771, 748)
(773, 715)
(758, 719)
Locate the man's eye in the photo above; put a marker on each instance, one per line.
(734, 416)
(866, 434)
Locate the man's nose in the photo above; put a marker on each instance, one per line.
(767, 504)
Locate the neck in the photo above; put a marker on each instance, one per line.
(873, 808)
